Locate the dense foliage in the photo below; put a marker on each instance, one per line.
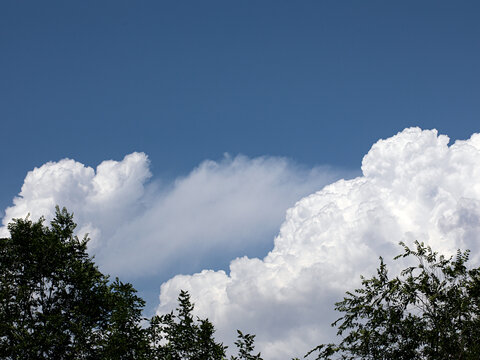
(179, 336)
(430, 311)
(56, 304)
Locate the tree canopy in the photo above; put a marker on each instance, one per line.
(179, 336)
(430, 311)
(55, 303)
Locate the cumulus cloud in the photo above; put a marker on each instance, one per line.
(101, 198)
(414, 187)
(141, 227)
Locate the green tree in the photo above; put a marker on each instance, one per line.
(56, 304)
(125, 338)
(430, 311)
(245, 347)
(53, 300)
(178, 335)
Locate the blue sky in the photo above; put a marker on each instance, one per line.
(317, 81)
(296, 92)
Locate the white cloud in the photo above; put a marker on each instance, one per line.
(139, 228)
(414, 186)
(100, 199)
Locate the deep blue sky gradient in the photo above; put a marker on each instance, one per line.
(316, 81)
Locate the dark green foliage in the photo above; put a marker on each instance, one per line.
(125, 338)
(245, 347)
(56, 304)
(430, 311)
(53, 300)
(179, 336)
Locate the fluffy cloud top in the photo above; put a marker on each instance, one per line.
(100, 199)
(219, 211)
(414, 186)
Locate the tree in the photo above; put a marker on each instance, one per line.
(430, 311)
(178, 336)
(56, 304)
(125, 338)
(245, 347)
(53, 299)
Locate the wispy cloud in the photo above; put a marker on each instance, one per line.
(141, 227)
